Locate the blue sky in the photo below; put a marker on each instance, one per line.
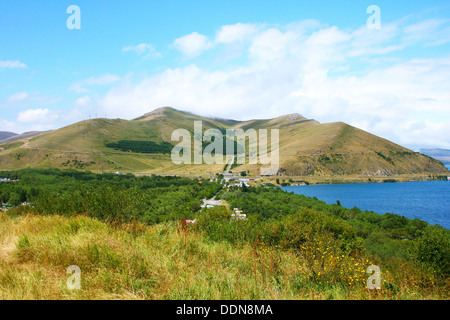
(233, 59)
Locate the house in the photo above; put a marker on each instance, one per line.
(237, 214)
(211, 203)
(6, 206)
(244, 181)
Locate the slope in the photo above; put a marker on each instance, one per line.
(307, 147)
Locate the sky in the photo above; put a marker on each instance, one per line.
(385, 70)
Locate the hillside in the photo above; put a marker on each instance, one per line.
(307, 147)
(6, 134)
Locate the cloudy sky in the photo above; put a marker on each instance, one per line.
(327, 60)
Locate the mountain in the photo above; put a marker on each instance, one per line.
(6, 134)
(307, 147)
(14, 136)
(439, 154)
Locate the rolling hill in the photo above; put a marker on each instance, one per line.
(307, 147)
(6, 134)
(10, 136)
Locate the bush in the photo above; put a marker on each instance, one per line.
(432, 250)
(217, 225)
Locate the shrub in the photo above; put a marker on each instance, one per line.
(432, 250)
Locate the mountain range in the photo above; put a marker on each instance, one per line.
(439, 154)
(6, 136)
(306, 147)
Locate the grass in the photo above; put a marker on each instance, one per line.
(169, 261)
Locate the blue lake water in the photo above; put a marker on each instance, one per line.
(425, 200)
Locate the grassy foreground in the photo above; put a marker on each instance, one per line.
(172, 261)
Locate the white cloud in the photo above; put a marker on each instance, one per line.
(106, 79)
(430, 31)
(367, 42)
(273, 44)
(36, 116)
(12, 64)
(83, 101)
(192, 44)
(8, 126)
(143, 49)
(18, 96)
(235, 33)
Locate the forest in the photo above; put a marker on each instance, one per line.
(141, 146)
(108, 196)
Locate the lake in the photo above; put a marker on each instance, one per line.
(425, 200)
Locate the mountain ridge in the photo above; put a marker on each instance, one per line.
(6, 135)
(440, 154)
(307, 147)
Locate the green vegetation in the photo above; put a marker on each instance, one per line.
(387, 158)
(128, 235)
(108, 196)
(141, 146)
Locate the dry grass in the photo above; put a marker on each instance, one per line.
(165, 261)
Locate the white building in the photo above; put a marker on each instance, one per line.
(237, 214)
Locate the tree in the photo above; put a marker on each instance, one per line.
(14, 199)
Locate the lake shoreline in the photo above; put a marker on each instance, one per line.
(425, 200)
(324, 180)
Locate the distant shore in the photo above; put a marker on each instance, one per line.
(314, 180)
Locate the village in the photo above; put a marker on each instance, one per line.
(228, 179)
(7, 180)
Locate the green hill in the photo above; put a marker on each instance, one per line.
(307, 147)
